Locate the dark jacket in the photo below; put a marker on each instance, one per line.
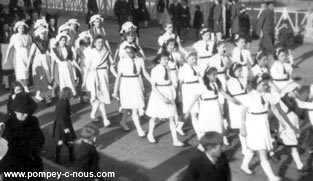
(244, 26)
(25, 142)
(198, 19)
(266, 22)
(122, 9)
(185, 17)
(162, 5)
(63, 121)
(175, 11)
(218, 18)
(87, 159)
(202, 169)
(235, 12)
(210, 17)
(92, 9)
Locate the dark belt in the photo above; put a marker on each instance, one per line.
(164, 85)
(130, 76)
(240, 94)
(193, 82)
(221, 72)
(101, 68)
(258, 113)
(173, 69)
(205, 57)
(243, 65)
(285, 79)
(209, 99)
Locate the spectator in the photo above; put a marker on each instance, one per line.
(163, 16)
(235, 12)
(53, 25)
(244, 26)
(88, 157)
(24, 137)
(266, 29)
(212, 164)
(198, 21)
(92, 10)
(16, 88)
(185, 18)
(37, 6)
(63, 129)
(143, 13)
(218, 19)
(123, 12)
(175, 11)
(228, 7)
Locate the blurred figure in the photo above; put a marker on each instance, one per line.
(92, 10)
(175, 11)
(198, 21)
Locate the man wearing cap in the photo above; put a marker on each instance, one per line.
(25, 139)
(212, 164)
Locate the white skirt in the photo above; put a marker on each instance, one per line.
(188, 95)
(66, 76)
(235, 111)
(102, 90)
(287, 135)
(157, 108)
(131, 94)
(9, 65)
(21, 58)
(258, 132)
(210, 116)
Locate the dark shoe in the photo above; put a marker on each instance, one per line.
(71, 153)
(57, 154)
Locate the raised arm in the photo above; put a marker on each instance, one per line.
(31, 55)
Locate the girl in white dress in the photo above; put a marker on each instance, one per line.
(210, 113)
(204, 48)
(162, 99)
(63, 56)
(289, 132)
(39, 58)
(98, 63)
(18, 52)
(261, 64)
(82, 46)
(255, 126)
(189, 78)
(169, 34)
(237, 88)
(176, 60)
(281, 71)
(128, 83)
(242, 56)
(96, 29)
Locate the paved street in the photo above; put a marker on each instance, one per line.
(133, 157)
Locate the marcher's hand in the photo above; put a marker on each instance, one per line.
(115, 95)
(186, 116)
(66, 130)
(167, 101)
(243, 131)
(296, 130)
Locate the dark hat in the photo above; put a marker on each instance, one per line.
(23, 103)
(89, 131)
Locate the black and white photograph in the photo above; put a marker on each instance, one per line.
(156, 90)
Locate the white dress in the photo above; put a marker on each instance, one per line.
(21, 44)
(157, 108)
(257, 124)
(210, 114)
(97, 80)
(220, 63)
(175, 57)
(65, 68)
(237, 88)
(131, 91)
(82, 53)
(242, 57)
(281, 74)
(190, 79)
(41, 70)
(204, 51)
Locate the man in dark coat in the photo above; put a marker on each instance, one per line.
(175, 12)
(25, 139)
(266, 29)
(210, 16)
(235, 12)
(244, 25)
(211, 165)
(218, 19)
(122, 11)
(92, 9)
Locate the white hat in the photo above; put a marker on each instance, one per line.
(127, 27)
(41, 23)
(19, 23)
(95, 17)
(73, 21)
(64, 27)
(60, 35)
(82, 35)
(40, 30)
